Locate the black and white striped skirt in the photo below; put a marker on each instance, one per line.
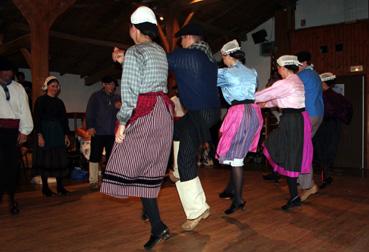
(137, 166)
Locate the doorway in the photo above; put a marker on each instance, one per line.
(350, 153)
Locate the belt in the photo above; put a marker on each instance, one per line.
(9, 123)
(234, 102)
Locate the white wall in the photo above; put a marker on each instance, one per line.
(252, 50)
(324, 12)
(74, 92)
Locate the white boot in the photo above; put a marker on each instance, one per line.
(175, 158)
(192, 197)
(93, 172)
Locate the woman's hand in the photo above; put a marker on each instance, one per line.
(40, 140)
(118, 55)
(66, 141)
(120, 135)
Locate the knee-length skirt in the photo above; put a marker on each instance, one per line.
(289, 148)
(137, 166)
(240, 132)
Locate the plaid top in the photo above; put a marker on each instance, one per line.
(145, 69)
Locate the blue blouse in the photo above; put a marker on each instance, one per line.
(237, 82)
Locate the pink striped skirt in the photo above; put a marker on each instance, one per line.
(137, 165)
(240, 133)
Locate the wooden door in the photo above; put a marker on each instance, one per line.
(350, 153)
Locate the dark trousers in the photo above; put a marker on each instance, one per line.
(191, 133)
(326, 143)
(9, 160)
(98, 142)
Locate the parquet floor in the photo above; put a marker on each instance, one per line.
(337, 219)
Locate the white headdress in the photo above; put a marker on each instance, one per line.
(48, 79)
(288, 60)
(143, 14)
(230, 47)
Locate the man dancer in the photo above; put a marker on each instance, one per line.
(315, 107)
(196, 76)
(100, 120)
(15, 124)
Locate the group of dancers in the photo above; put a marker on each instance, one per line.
(143, 141)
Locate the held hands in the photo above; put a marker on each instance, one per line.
(118, 55)
(40, 140)
(120, 135)
(22, 138)
(66, 141)
(91, 131)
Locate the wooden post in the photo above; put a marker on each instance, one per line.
(40, 15)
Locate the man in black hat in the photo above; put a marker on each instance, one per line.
(15, 124)
(101, 115)
(196, 75)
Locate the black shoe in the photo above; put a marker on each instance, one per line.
(295, 202)
(272, 176)
(326, 182)
(47, 192)
(225, 195)
(62, 192)
(144, 216)
(154, 239)
(13, 208)
(234, 207)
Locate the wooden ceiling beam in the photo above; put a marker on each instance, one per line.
(91, 41)
(15, 45)
(40, 15)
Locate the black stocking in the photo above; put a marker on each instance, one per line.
(292, 186)
(237, 177)
(151, 209)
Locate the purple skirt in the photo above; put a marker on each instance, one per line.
(240, 133)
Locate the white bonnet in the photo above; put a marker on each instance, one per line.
(143, 14)
(230, 47)
(48, 79)
(327, 76)
(288, 60)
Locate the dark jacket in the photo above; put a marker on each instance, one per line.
(101, 113)
(196, 78)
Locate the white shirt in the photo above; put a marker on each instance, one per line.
(17, 107)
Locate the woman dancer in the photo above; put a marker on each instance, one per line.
(140, 155)
(241, 127)
(288, 148)
(51, 128)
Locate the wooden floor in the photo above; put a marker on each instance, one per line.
(337, 219)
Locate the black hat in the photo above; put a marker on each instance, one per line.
(190, 29)
(108, 79)
(5, 65)
(303, 56)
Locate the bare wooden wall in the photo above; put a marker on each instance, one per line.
(354, 38)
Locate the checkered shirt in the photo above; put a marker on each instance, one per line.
(145, 69)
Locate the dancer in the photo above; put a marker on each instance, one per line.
(140, 154)
(288, 148)
(241, 127)
(315, 107)
(51, 129)
(337, 110)
(196, 75)
(15, 124)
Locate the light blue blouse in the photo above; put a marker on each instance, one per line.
(237, 82)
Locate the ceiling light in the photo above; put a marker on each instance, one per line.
(195, 1)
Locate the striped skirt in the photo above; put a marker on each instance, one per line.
(137, 166)
(289, 148)
(240, 133)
